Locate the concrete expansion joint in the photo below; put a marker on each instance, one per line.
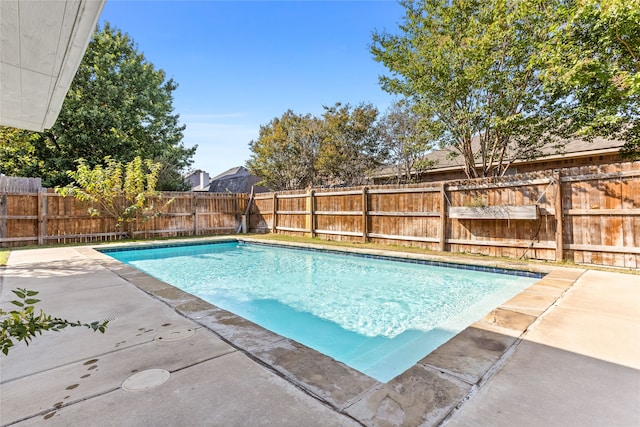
(200, 362)
(475, 388)
(349, 403)
(304, 389)
(446, 372)
(472, 392)
(552, 306)
(71, 363)
(52, 410)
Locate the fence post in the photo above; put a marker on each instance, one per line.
(42, 215)
(559, 217)
(311, 209)
(274, 221)
(365, 209)
(194, 209)
(443, 217)
(4, 211)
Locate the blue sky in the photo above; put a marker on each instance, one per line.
(239, 64)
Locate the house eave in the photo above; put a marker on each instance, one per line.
(41, 46)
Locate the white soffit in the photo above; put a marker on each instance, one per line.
(41, 46)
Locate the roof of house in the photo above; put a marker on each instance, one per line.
(572, 148)
(232, 173)
(236, 180)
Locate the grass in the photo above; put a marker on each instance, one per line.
(4, 256)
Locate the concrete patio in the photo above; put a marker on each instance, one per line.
(564, 352)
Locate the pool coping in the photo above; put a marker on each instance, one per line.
(427, 393)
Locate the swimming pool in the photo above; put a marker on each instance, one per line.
(376, 314)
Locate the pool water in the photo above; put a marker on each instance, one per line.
(378, 316)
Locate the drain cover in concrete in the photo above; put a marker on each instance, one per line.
(175, 335)
(145, 380)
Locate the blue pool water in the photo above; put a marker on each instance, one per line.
(378, 316)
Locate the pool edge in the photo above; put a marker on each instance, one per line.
(485, 345)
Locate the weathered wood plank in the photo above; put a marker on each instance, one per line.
(408, 238)
(337, 232)
(404, 190)
(493, 212)
(404, 214)
(339, 213)
(604, 248)
(503, 243)
(303, 230)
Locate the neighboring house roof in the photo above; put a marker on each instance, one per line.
(236, 180)
(236, 172)
(572, 149)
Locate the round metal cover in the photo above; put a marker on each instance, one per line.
(175, 335)
(145, 380)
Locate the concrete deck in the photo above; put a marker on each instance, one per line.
(564, 352)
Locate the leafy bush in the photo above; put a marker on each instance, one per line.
(125, 192)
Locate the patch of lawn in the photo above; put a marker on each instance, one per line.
(4, 256)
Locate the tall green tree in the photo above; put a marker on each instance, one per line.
(118, 105)
(466, 65)
(18, 153)
(591, 67)
(351, 148)
(298, 151)
(286, 151)
(406, 141)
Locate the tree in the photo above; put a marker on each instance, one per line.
(591, 67)
(351, 148)
(174, 168)
(340, 148)
(118, 105)
(285, 153)
(405, 140)
(18, 152)
(125, 192)
(466, 65)
(23, 324)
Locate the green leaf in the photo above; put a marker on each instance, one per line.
(24, 325)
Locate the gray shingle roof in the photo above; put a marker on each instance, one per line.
(572, 148)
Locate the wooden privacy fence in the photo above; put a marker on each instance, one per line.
(12, 184)
(588, 214)
(45, 217)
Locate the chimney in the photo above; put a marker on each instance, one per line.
(204, 179)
